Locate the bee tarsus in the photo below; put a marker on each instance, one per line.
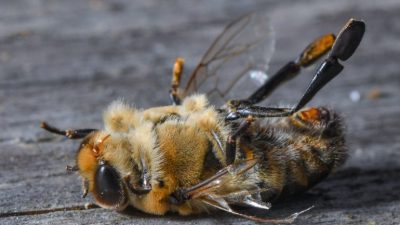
(343, 47)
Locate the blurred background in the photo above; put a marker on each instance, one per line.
(65, 61)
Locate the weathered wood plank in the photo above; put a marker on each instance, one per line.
(64, 61)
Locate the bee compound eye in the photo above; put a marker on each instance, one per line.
(108, 190)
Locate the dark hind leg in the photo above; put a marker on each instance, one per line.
(310, 54)
(343, 48)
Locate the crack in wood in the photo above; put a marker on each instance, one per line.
(50, 210)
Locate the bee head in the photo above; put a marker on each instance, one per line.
(104, 180)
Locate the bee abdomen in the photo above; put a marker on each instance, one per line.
(298, 155)
(318, 146)
(312, 164)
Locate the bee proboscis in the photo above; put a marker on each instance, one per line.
(191, 156)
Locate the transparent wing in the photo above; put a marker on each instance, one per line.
(236, 63)
(223, 190)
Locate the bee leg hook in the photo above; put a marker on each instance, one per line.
(345, 45)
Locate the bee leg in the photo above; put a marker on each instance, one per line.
(308, 56)
(85, 188)
(71, 134)
(143, 186)
(345, 45)
(230, 147)
(343, 48)
(176, 80)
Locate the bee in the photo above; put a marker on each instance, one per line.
(193, 156)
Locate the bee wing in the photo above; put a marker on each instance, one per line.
(221, 204)
(240, 53)
(226, 187)
(231, 184)
(223, 182)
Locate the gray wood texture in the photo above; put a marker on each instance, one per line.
(65, 61)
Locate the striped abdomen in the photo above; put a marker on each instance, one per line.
(297, 152)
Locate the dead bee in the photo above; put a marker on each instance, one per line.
(190, 156)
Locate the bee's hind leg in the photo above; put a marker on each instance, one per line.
(343, 48)
(345, 45)
(176, 80)
(308, 56)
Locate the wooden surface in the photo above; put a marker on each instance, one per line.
(64, 61)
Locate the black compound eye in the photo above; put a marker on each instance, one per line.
(108, 190)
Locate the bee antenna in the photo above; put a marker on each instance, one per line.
(71, 134)
(52, 129)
